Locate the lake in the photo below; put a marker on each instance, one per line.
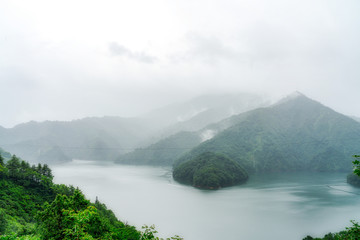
(274, 206)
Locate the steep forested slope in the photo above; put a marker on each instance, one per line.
(24, 193)
(165, 151)
(33, 207)
(295, 134)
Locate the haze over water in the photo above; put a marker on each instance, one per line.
(274, 206)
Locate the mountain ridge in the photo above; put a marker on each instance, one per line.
(297, 134)
(105, 138)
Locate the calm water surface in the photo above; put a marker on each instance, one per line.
(275, 206)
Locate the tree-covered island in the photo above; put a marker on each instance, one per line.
(210, 171)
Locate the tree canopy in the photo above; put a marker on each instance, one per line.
(210, 171)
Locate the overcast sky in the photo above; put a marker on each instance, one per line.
(62, 60)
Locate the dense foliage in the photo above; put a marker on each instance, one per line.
(356, 163)
(164, 152)
(73, 217)
(210, 171)
(23, 190)
(32, 207)
(351, 233)
(297, 134)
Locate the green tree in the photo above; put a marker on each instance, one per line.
(85, 224)
(72, 217)
(52, 219)
(13, 166)
(356, 163)
(149, 233)
(46, 171)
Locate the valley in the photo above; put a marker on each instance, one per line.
(179, 120)
(293, 155)
(285, 205)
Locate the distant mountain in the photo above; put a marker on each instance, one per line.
(356, 118)
(167, 150)
(192, 122)
(297, 133)
(5, 154)
(164, 152)
(88, 138)
(106, 138)
(199, 112)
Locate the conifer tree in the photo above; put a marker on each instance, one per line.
(13, 166)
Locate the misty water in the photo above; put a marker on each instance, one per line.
(274, 206)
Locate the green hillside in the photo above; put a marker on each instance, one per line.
(24, 210)
(210, 171)
(167, 150)
(164, 152)
(32, 207)
(295, 134)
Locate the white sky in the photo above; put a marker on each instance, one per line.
(62, 60)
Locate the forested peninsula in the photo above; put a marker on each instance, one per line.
(32, 207)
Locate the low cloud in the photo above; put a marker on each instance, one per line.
(121, 51)
(206, 49)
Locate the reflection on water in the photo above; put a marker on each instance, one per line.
(273, 206)
(317, 189)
